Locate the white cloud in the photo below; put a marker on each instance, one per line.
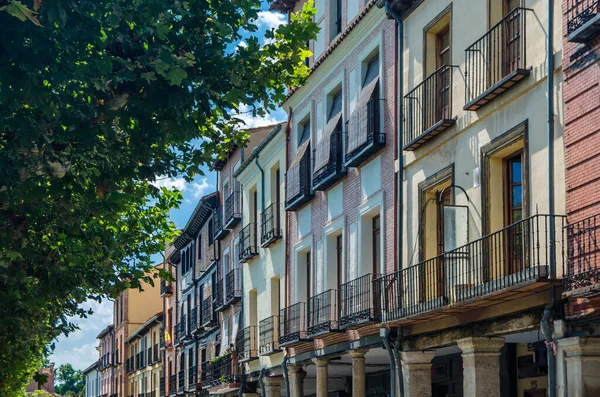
(252, 122)
(170, 183)
(80, 357)
(199, 189)
(270, 20)
(242, 44)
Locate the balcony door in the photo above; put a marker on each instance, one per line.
(512, 32)
(513, 213)
(443, 58)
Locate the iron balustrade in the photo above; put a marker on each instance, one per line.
(334, 169)
(162, 338)
(358, 303)
(248, 246)
(247, 343)
(165, 289)
(180, 381)
(219, 296)
(365, 136)
(497, 60)
(583, 15)
(233, 209)
(177, 329)
(323, 313)
(270, 225)
(428, 108)
(208, 316)
(172, 384)
(193, 319)
(220, 230)
(184, 327)
(224, 370)
(149, 355)
(583, 254)
(162, 386)
(233, 286)
(292, 324)
(509, 257)
(298, 188)
(192, 376)
(205, 373)
(155, 349)
(269, 335)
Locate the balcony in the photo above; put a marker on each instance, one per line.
(582, 275)
(358, 303)
(192, 378)
(162, 338)
(497, 61)
(248, 246)
(219, 295)
(209, 318)
(149, 355)
(193, 320)
(220, 231)
(162, 386)
(177, 339)
(323, 314)
(428, 108)
(247, 342)
(219, 371)
(172, 385)
(292, 326)
(583, 23)
(328, 167)
(233, 210)
(233, 286)
(156, 353)
(183, 325)
(298, 189)
(180, 381)
(365, 135)
(270, 225)
(269, 336)
(495, 268)
(165, 289)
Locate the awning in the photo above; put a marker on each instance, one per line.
(358, 127)
(323, 150)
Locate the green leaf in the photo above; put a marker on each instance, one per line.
(176, 75)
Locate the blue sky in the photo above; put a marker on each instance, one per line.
(79, 348)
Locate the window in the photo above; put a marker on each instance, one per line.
(210, 231)
(336, 18)
(304, 132)
(372, 70)
(199, 246)
(376, 239)
(336, 105)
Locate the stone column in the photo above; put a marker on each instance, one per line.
(297, 375)
(582, 362)
(321, 376)
(273, 386)
(358, 372)
(481, 366)
(416, 373)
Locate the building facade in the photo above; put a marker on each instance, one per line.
(106, 362)
(92, 380)
(144, 359)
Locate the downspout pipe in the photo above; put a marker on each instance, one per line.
(548, 310)
(262, 183)
(261, 381)
(389, 346)
(286, 375)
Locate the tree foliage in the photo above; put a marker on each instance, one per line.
(97, 99)
(70, 381)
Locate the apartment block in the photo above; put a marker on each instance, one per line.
(106, 362)
(144, 359)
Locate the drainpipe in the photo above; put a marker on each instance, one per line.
(545, 323)
(387, 343)
(261, 380)
(262, 183)
(396, 384)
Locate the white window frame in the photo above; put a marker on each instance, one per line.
(376, 200)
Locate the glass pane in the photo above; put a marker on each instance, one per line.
(517, 196)
(516, 172)
(305, 133)
(456, 230)
(372, 70)
(517, 215)
(336, 105)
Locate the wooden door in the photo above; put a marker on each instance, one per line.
(512, 33)
(443, 58)
(513, 213)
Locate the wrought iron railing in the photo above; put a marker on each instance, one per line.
(233, 285)
(220, 231)
(357, 301)
(149, 355)
(517, 254)
(156, 353)
(162, 338)
(193, 319)
(180, 381)
(233, 209)
(192, 376)
(162, 387)
(334, 168)
(292, 324)
(323, 314)
(177, 335)
(497, 54)
(583, 254)
(223, 370)
(248, 246)
(247, 341)
(270, 225)
(428, 107)
(184, 327)
(364, 133)
(165, 288)
(298, 188)
(269, 335)
(172, 385)
(208, 315)
(580, 12)
(219, 295)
